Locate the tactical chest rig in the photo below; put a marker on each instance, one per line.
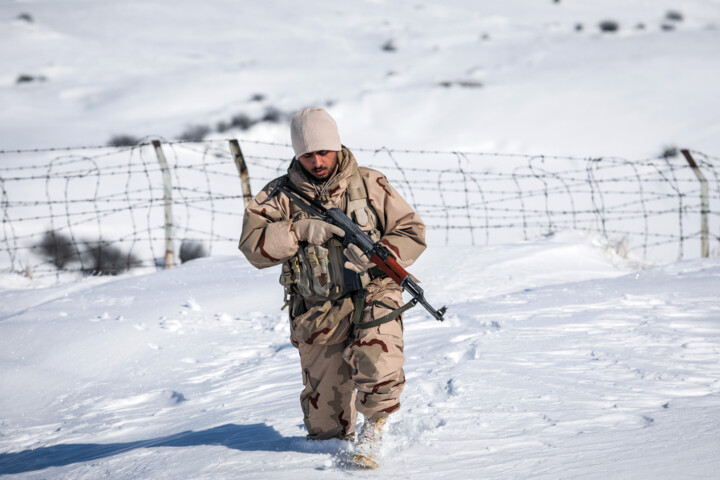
(317, 272)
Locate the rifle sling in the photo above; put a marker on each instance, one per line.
(359, 301)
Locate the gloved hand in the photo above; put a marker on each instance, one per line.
(315, 231)
(357, 260)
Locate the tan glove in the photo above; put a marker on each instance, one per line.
(315, 231)
(357, 260)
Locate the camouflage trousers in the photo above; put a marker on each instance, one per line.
(350, 369)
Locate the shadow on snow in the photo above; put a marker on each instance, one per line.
(249, 438)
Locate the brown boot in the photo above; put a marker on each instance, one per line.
(368, 444)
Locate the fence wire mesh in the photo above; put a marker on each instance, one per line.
(101, 209)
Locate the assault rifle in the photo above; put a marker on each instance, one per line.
(376, 252)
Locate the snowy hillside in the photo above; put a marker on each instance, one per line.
(520, 76)
(555, 362)
(559, 358)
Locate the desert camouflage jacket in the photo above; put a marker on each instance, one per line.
(266, 238)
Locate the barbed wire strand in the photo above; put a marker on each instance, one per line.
(98, 198)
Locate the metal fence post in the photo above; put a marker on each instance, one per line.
(242, 169)
(704, 203)
(167, 197)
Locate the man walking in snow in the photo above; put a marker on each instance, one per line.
(344, 312)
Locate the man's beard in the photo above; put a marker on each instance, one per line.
(328, 175)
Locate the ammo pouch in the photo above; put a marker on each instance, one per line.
(317, 273)
(321, 292)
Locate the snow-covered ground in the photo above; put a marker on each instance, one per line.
(555, 361)
(558, 359)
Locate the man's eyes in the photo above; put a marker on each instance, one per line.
(322, 153)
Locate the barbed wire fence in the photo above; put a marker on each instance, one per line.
(104, 210)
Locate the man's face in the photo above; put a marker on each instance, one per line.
(320, 165)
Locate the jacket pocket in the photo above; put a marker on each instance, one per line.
(324, 323)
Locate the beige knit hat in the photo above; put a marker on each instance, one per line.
(313, 129)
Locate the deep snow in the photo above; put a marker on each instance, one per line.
(559, 359)
(555, 361)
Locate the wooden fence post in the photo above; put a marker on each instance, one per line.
(242, 169)
(167, 197)
(704, 203)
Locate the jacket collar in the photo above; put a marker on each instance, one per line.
(333, 190)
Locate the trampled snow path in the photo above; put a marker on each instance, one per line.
(553, 363)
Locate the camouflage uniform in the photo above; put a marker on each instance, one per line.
(345, 368)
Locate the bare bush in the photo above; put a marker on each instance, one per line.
(674, 16)
(195, 133)
(669, 151)
(26, 78)
(100, 258)
(272, 114)
(192, 249)
(95, 258)
(59, 249)
(241, 121)
(123, 141)
(461, 83)
(609, 26)
(389, 46)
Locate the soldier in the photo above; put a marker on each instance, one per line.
(345, 316)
